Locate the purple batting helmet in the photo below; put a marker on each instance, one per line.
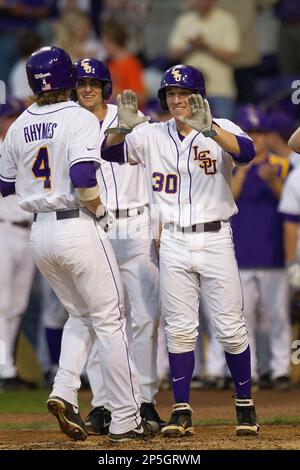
(182, 76)
(93, 68)
(252, 119)
(49, 69)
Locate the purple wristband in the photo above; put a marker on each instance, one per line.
(6, 188)
(247, 150)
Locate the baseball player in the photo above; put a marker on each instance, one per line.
(189, 160)
(49, 159)
(290, 207)
(124, 193)
(17, 266)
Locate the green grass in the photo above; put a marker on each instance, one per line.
(31, 426)
(279, 420)
(28, 401)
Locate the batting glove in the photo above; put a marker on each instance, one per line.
(200, 118)
(128, 111)
(106, 220)
(293, 270)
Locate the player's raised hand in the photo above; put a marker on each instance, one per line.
(200, 118)
(128, 110)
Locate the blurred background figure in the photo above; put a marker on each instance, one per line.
(281, 127)
(288, 11)
(125, 68)
(28, 42)
(17, 267)
(207, 37)
(249, 57)
(258, 239)
(74, 34)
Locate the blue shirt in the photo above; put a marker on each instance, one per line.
(258, 226)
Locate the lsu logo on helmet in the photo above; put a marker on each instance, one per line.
(176, 74)
(85, 64)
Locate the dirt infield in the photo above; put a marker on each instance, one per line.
(210, 408)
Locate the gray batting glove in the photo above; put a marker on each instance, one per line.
(200, 118)
(128, 110)
(293, 270)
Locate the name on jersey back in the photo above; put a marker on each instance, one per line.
(40, 131)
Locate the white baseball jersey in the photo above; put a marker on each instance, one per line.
(10, 211)
(190, 178)
(122, 186)
(53, 158)
(290, 198)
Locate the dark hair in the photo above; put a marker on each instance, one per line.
(115, 31)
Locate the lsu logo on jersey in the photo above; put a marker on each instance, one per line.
(205, 162)
(85, 64)
(177, 75)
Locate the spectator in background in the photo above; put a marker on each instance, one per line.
(73, 34)
(288, 11)
(245, 65)
(125, 68)
(93, 8)
(258, 240)
(17, 267)
(281, 127)
(133, 15)
(208, 38)
(14, 16)
(28, 42)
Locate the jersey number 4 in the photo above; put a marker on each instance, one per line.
(41, 168)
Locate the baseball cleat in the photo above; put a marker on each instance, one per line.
(68, 417)
(143, 431)
(150, 415)
(180, 423)
(98, 421)
(246, 417)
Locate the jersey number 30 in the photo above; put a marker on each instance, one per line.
(41, 168)
(167, 183)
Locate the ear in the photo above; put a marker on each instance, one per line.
(106, 90)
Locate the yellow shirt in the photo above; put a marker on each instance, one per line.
(220, 30)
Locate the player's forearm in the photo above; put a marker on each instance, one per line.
(294, 141)
(290, 241)
(93, 206)
(226, 140)
(113, 152)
